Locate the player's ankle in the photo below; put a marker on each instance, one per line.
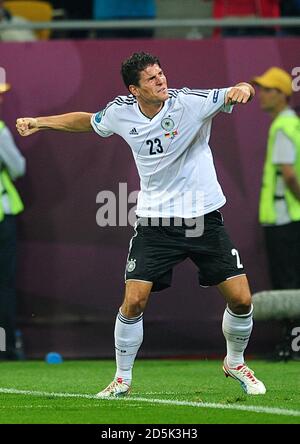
(234, 362)
(123, 379)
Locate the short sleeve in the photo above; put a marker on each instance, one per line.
(215, 103)
(205, 104)
(283, 150)
(228, 107)
(102, 122)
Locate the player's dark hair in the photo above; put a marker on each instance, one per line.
(132, 67)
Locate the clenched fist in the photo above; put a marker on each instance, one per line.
(240, 93)
(27, 126)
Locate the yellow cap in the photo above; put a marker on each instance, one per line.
(275, 78)
(4, 87)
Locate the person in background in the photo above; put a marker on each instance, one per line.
(12, 166)
(290, 8)
(72, 10)
(279, 207)
(14, 35)
(245, 9)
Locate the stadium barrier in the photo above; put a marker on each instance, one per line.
(282, 306)
(153, 24)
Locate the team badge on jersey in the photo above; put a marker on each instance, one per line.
(167, 124)
(131, 265)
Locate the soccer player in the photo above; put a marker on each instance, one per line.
(168, 132)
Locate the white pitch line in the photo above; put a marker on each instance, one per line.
(207, 405)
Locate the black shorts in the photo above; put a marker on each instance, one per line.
(155, 250)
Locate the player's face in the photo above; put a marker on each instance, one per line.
(269, 98)
(152, 86)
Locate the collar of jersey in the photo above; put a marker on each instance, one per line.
(155, 115)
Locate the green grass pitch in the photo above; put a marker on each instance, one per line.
(164, 392)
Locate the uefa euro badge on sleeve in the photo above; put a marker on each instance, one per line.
(98, 117)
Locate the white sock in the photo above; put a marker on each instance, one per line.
(128, 339)
(237, 330)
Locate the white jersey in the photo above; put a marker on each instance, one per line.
(171, 150)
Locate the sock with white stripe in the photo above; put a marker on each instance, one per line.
(237, 330)
(128, 339)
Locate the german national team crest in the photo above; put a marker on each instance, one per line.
(131, 265)
(167, 124)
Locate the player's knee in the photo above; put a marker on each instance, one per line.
(137, 302)
(134, 304)
(241, 305)
(136, 296)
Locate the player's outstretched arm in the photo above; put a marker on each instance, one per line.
(240, 93)
(74, 122)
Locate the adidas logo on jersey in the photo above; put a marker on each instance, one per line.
(133, 132)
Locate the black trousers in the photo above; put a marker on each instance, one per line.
(7, 283)
(283, 250)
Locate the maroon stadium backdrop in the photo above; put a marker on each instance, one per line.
(70, 273)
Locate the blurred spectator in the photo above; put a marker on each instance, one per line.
(245, 9)
(290, 8)
(12, 166)
(279, 208)
(125, 10)
(75, 10)
(16, 35)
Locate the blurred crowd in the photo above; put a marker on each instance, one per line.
(119, 10)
